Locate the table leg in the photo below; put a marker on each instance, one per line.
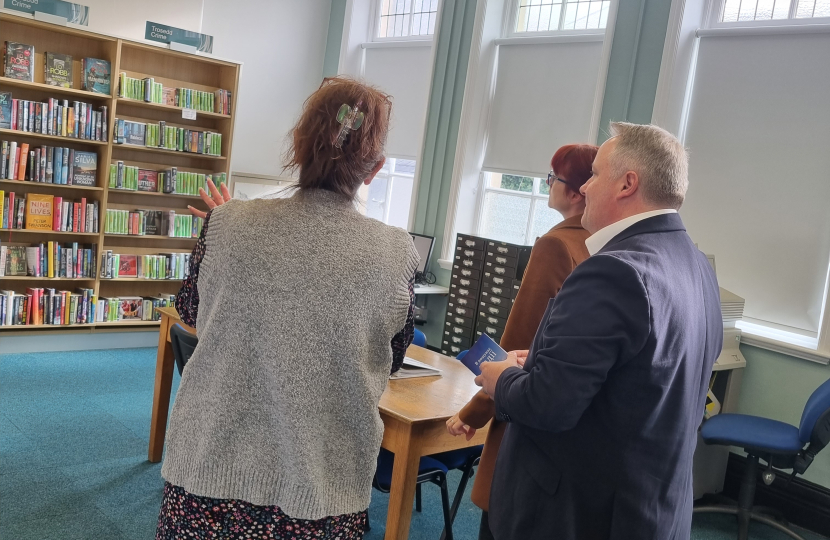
(161, 393)
(407, 449)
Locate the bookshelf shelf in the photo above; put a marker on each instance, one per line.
(32, 278)
(45, 326)
(173, 69)
(115, 191)
(172, 108)
(191, 155)
(144, 280)
(58, 233)
(13, 184)
(151, 237)
(128, 323)
(14, 133)
(71, 92)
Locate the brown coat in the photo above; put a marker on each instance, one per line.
(553, 258)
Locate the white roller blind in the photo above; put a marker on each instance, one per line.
(405, 74)
(544, 99)
(758, 132)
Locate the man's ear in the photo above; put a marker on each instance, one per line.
(375, 171)
(629, 185)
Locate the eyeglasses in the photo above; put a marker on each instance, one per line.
(553, 178)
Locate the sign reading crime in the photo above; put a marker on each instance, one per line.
(167, 34)
(74, 13)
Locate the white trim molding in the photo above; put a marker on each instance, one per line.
(560, 37)
(764, 30)
(391, 44)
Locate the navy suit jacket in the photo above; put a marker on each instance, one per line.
(604, 415)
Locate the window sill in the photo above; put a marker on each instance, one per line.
(446, 264)
(753, 335)
(397, 44)
(581, 37)
(799, 26)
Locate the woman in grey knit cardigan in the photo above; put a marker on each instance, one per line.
(302, 307)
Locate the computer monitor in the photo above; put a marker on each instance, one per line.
(424, 246)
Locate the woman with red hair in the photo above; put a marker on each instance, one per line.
(554, 257)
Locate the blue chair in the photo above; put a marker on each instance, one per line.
(780, 445)
(420, 339)
(183, 344)
(463, 459)
(429, 470)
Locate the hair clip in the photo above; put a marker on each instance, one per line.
(350, 119)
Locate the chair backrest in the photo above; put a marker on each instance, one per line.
(461, 355)
(184, 343)
(420, 339)
(817, 406)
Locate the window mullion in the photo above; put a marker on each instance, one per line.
(562, 14)
(530, 216)
(793, 9)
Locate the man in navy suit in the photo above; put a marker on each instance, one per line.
(604, 412)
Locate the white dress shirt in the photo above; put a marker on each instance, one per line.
(597, 241)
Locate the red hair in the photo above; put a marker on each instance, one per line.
(572, 163)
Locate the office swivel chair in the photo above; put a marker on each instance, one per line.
(419, 339)
(184, 343)
(781, 445)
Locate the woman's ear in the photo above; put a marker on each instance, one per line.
(375, 171)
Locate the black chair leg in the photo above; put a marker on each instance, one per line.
(368, 526)
(417, 497)
(445, 504)
(466, 474)
(746, 496)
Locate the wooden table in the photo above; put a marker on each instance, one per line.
(414, 413)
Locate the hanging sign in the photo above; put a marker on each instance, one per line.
(169, 34)
(74, 13)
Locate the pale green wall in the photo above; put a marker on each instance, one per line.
(336, 21)
(634, 67)
(777, 386)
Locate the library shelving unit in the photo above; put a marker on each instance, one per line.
(137, 60)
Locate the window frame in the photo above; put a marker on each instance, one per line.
(513, 15)
(376, 10)
(390, 177)
(534, 195)
(713, 21)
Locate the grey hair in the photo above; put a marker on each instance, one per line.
(658, 158)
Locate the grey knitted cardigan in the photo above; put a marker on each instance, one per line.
(298, 302)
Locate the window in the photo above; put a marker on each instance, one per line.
(390, 193)
(515, 209)
(766, 10)
(407, 18)
(554, 15)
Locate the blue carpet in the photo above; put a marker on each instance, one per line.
(74, 429)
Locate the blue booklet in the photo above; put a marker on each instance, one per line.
(484, 350)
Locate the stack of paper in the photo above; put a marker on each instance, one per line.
(732, 307)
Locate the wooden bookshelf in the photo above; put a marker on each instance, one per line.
(138, 60)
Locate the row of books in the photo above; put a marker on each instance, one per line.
(48, 260)
(19, 64)
(47, 164)
(149, 90)
(37, 211)
(153, 222)
(161, 266)
(161, 135)
(47, 306)
(170, 180)
(132, 308)
(59, 118)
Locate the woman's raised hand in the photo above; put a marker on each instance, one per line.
(213, 200)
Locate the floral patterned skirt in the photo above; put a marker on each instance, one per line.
(187, 516)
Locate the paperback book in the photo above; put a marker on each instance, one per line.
(5, 110)
(96, 76)
(484, 350)
(84, 167)
(58, 70)
(19, 61)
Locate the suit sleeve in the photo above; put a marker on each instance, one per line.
(601, 318)
(550, 264)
